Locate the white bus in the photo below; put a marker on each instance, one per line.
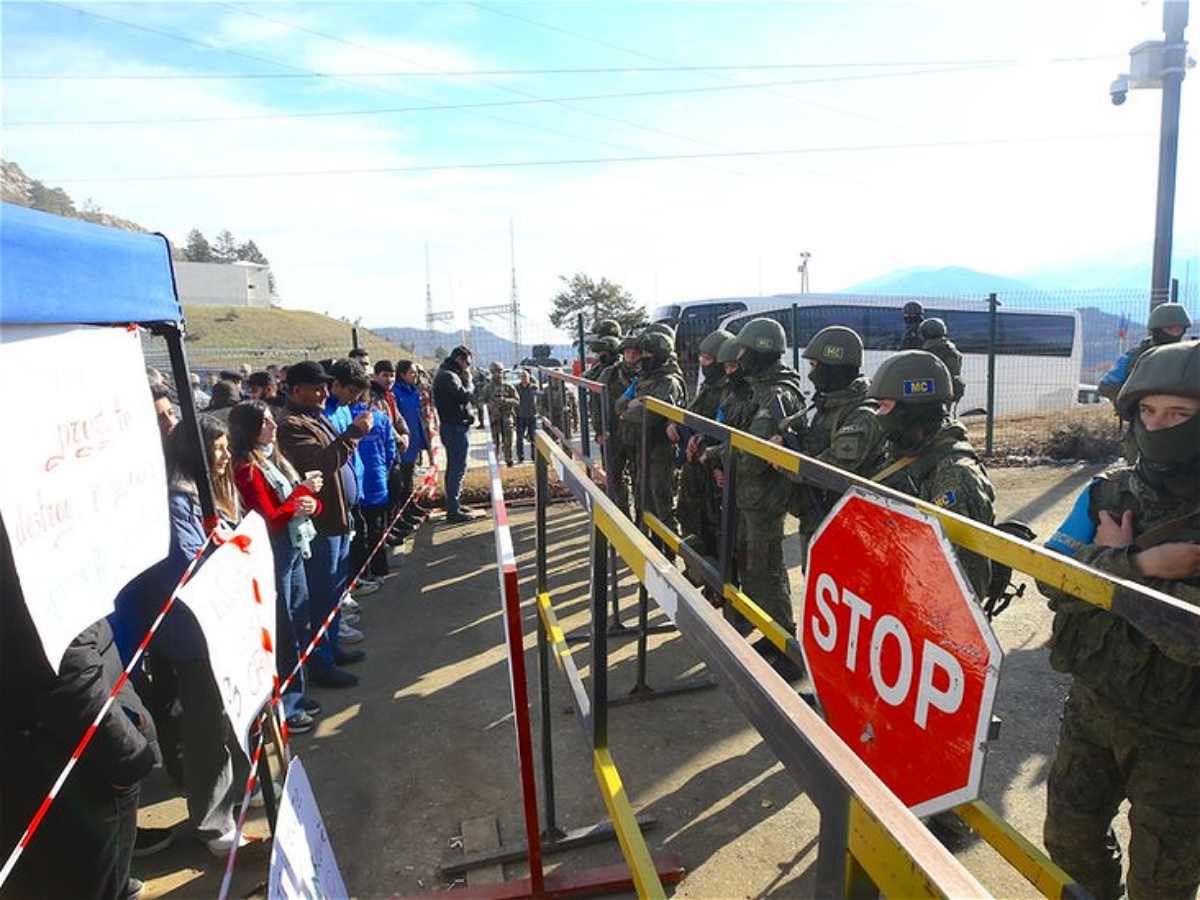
(1039, 353)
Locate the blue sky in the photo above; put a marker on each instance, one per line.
(681, 149)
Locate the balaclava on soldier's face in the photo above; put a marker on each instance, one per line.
(828, 379)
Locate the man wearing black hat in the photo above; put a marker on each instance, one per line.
(453, 396)
(311, 443)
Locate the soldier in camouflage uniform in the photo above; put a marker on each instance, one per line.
(933, 333)
(1168, 324)
(605, 347)
(694, 481)
(502, 401)
(659, 376)
(762, 491)
(927, 452)
(843, 431)
(1131, 724)
(621, 457)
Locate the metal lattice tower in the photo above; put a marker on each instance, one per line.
(510, 310)
(432, 317)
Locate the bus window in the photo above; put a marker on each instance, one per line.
(669, 313)
(695, 324)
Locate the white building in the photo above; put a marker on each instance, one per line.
(223, 284)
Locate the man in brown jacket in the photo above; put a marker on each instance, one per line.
(311, 444)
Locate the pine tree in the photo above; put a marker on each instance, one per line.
(596, 300)
(225, 247)
(197, 249)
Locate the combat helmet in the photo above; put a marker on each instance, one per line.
(629, 342)
(662, 328)
(657, 344)
(913, 376)
(496, 368)
(836, 345)
(1166, 315)
(606, 343)
(932, 329)
(1169, 369)
(607, 327)
(912, 311)
(728, 351)
(762, 335)
(712, 343)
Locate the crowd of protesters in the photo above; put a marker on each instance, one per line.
(327, 453)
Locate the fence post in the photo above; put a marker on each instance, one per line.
(542, 498)
(792, 338)
(993, 303)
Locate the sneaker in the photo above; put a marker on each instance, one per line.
(348, 634)
(151, 840)
(365, 588)
(312, 707)
(221, 846)
(403, 529)
(350, 618)
(300, 722)
(331, 677)
(462, 516)
(393, 540)
(350, 605)
(133, 888)
(345, 657)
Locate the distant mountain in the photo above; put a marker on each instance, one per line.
(952, 281)
(948, 282)
(486, 345)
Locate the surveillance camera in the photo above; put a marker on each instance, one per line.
(1119, 89)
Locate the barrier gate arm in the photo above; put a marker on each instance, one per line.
(861, 820)
(1152, 611)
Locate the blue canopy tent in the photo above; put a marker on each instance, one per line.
(55, 270)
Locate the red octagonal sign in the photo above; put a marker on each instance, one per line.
(903, 659)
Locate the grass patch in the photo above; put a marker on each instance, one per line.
(1090, 432)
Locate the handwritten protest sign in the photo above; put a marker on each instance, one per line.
(302, 860)
(222, 595)
(82, 482)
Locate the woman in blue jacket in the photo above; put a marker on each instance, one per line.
(408, 398)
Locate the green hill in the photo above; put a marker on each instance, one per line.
(224, 336)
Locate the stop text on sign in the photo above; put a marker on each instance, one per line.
(939, 682)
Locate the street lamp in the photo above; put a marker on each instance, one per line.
(1161, 64)
(803, 270)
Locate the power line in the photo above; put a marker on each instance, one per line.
(483, 104)
(602, 160)
(952, 64)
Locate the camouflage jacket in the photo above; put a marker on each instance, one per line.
(946, 471)
(664, 383)
(776, 395)
(709, 397)
(500, 398)
(1147, 673)
(952, 358)
(617, 379)
(844, 430)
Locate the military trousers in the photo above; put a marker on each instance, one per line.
(1105, 756)
(502, 436)
(660, 489)
(622, 460)
(760, 566)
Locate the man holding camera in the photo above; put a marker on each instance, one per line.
(453, 395)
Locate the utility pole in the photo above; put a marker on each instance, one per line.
(514, 299)
(1174, 62)
(803, 270)
(1161, 64)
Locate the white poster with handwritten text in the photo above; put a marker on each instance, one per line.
(232, 596)
(302, 860)
(82, 483)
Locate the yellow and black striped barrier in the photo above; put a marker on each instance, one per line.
(864, 827)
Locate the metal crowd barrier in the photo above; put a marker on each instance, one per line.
(865, 831)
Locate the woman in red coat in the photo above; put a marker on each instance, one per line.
(270, 486)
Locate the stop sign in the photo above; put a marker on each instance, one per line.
(903, 659)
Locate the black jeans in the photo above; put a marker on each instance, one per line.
(525, 429)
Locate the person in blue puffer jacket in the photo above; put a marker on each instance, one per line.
(407, 392)
(373, 459)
